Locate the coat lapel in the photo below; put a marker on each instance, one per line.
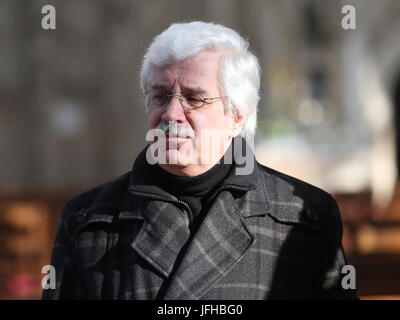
(162, 236)
(219, 244)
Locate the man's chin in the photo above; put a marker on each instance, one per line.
(178, 158)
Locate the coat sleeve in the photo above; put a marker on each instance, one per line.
(331, 283)
(63, 262)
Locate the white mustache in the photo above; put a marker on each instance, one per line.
(172, 128)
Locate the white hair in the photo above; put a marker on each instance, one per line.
(239, 77)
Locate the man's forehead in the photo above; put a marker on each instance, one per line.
(194, 73)
(184, 87)
(202, 63)
(164, 80)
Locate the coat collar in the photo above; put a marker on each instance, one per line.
(142, 183)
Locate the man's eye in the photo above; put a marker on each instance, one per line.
(195, 100)
(160, 99)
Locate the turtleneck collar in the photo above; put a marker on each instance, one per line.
(145, 180)
(198, 185)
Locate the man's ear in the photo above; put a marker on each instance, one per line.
(239, 121)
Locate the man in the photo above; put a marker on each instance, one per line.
(198, 217)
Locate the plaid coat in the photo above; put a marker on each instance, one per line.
(265, 236)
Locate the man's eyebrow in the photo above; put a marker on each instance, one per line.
(184, 89)
(194, 90)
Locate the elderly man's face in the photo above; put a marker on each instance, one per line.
(198, 74)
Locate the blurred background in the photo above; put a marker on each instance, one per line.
(70, 116)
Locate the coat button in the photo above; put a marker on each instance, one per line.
(80, 215)
(312, 214)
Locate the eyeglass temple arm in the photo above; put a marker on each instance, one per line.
(215, 98)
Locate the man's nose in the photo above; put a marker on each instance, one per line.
(174, 111)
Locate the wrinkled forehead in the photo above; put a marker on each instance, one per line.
(199, 70)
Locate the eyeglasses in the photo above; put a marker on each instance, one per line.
(189, 102)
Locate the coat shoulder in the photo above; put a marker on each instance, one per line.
(294, 200)
(291, 187)
(108, 194)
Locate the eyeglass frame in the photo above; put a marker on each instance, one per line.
(180, 96)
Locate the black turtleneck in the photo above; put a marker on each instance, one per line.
(191, 190)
